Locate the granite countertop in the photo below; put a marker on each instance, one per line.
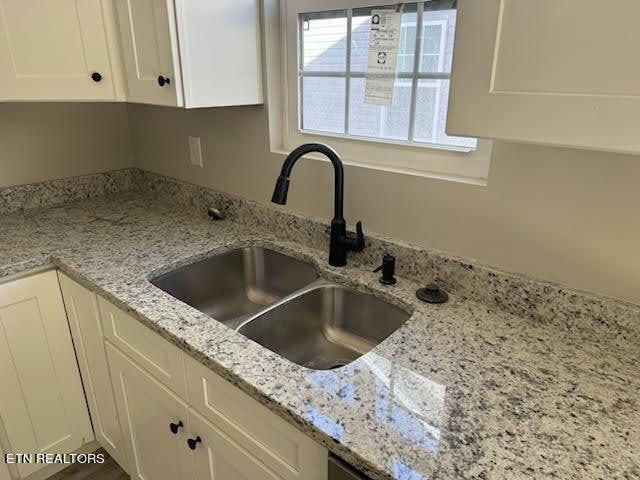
(462, 390)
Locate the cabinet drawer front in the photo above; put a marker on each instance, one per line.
(280, 446)
(159, 357)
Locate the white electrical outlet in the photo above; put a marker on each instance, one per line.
(195, 151)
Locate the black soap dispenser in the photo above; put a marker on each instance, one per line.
(388, 268)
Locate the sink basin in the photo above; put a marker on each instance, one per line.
(280, 303)
(234, 285)
(327, 327)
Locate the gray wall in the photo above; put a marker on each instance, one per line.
(557, 214)
(44, 141)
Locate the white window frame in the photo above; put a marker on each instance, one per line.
(432, 160)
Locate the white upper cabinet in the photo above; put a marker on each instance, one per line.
(150, 55)
(191, 53)
(220, 52)
(562, 73)
(56, 51)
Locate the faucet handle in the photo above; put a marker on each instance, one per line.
(360, 237)
(359, 241)
(354, 241)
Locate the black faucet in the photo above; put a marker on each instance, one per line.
(341, 242)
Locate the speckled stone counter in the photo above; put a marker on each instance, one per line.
(468, 389)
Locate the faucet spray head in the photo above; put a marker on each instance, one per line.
(281, 190)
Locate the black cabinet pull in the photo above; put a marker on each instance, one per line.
(96, 77)
(175, 427)
(193, 442)
(162, 81)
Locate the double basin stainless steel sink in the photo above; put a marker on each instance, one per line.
(281, 303)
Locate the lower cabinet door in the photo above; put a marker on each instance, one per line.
(150, 414)
(86, 329)
(217, 457)
(42, 404)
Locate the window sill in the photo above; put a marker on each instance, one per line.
(470, 167)
(404, 170)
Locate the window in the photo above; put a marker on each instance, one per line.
(332, 71)
(323, 64)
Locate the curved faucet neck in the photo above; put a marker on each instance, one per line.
(338, 169)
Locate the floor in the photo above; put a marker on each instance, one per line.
(109, 470)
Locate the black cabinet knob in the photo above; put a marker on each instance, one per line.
(162, 81)
(174, 427)
(96, 77)
(193, 442)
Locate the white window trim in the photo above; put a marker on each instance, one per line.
(434, 161)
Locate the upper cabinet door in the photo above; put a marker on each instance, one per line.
(42, 404)
(220, 52)
(561, 73)
(51, 51)
(150, 51)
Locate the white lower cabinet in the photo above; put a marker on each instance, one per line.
(216, 456)
(42, 404)
(148, 409)
(288, 452)
(170, 441)
(235, 437)
(157, 356)
(86, 328)
(156, 418)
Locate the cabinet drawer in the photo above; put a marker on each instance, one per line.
(159, 357)
(280, 446)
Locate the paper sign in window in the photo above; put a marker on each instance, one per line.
(384, 40)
